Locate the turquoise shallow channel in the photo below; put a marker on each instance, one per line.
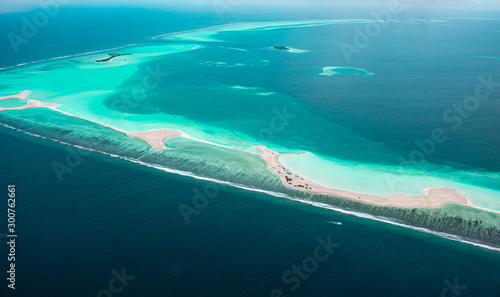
(224, 85)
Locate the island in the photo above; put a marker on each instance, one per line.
(281, 47)
(111, 57)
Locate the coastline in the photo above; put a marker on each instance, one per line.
(433, 198)
(476, 226)
(21, 96)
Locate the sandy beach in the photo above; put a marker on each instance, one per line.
(156, 138)
(31, 104)
(433, 198)
(23, 95)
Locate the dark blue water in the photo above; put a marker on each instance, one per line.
(113, 215)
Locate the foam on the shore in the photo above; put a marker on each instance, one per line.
(399, 224)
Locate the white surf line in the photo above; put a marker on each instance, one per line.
(393, 222)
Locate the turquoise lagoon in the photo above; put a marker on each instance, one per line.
(11, 103)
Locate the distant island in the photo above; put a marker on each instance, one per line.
(289, 49)
(281, 47)
(111, 57)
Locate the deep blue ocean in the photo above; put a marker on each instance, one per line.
(111, 215)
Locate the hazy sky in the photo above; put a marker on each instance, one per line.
(23, 5)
